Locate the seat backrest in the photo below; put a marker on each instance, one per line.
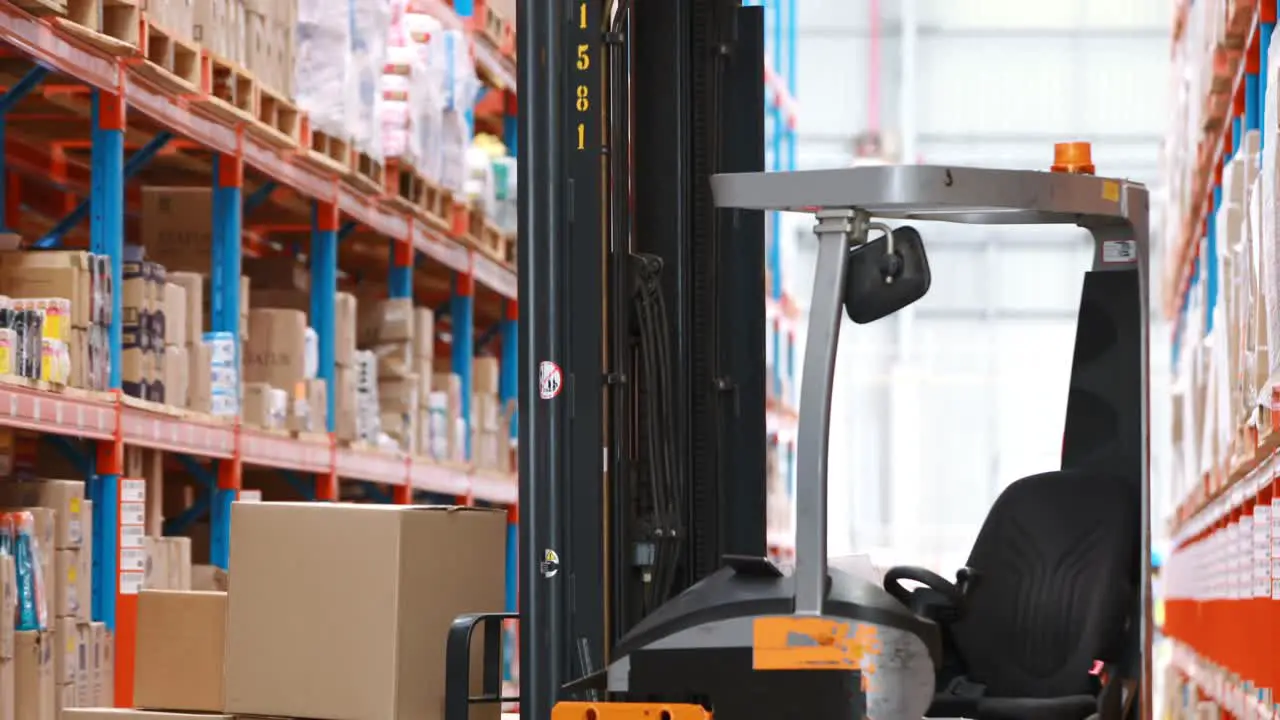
(1057, 565)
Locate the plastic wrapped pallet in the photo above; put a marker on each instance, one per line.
(404, 90)
(460, 89)
(370, 20)
(323, 57)
(340, 50)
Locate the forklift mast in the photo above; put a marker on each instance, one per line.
(642, 429)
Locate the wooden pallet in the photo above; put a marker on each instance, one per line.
(327, 150)
(113, 26)
(493, 24)
(277, 120)
(168, 60)
(43, 8)
(404, 185)
(367, 172)
(495, 243)
(437, 203)
(228, 89)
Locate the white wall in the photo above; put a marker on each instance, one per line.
(939, 410)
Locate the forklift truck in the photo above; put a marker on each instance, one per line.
(644, 589)
(1051, 617)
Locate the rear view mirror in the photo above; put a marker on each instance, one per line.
(885, 275)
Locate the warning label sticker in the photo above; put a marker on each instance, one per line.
(550, 379)
(1119, 251)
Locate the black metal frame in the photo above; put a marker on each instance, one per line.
(457, 668)
(693, 106)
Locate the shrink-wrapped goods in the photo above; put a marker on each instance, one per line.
(341, 50)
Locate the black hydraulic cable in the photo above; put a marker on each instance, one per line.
(677, 483)
(652, 319)
(651, 391)
(655, 331)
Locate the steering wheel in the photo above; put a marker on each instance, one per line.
(935, 582)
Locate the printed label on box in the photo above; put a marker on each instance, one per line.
(133, 513)
(133, 490)
(130, 582)
(131, 536)
(133, 560)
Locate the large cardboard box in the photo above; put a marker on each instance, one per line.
(276, 351)
(181, 643)
(33, 676)
(385, 576)
(177, 227)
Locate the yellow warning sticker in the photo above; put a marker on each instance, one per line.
(1111, 191)
(786, 642)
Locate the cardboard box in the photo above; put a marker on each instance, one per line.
(399, 395)
(344, 326)
(264, 406)
(64, 698)
(52, 274)
(192, 285)
(424, 333)
(275, 353)
(66, 584)
(390, 320)
(177, 367)
(84, 665)
(199, 378)
(382, 571)
(104, 666)
(181, 643)
(8, 707)
(33, 676)
(65, 638)
(176, 319)
(177, 226)
(309, 407)
(344, 404)
(86, 561)
(484, 376)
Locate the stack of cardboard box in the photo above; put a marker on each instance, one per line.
(53, 318)
(184, 340)
(489, 434)
(177, 226)
(269, 42)
(424, 350)
(386, 328)
(53, 667)
(254, 650)
(143, 328)
(448, 430)
(344, 357)
(218, 25)
(274, 365)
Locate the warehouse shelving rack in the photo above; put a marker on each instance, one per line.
(170, 125)
(1221, 588)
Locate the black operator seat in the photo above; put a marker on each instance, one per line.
(1042, 623)
(1044, 604)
